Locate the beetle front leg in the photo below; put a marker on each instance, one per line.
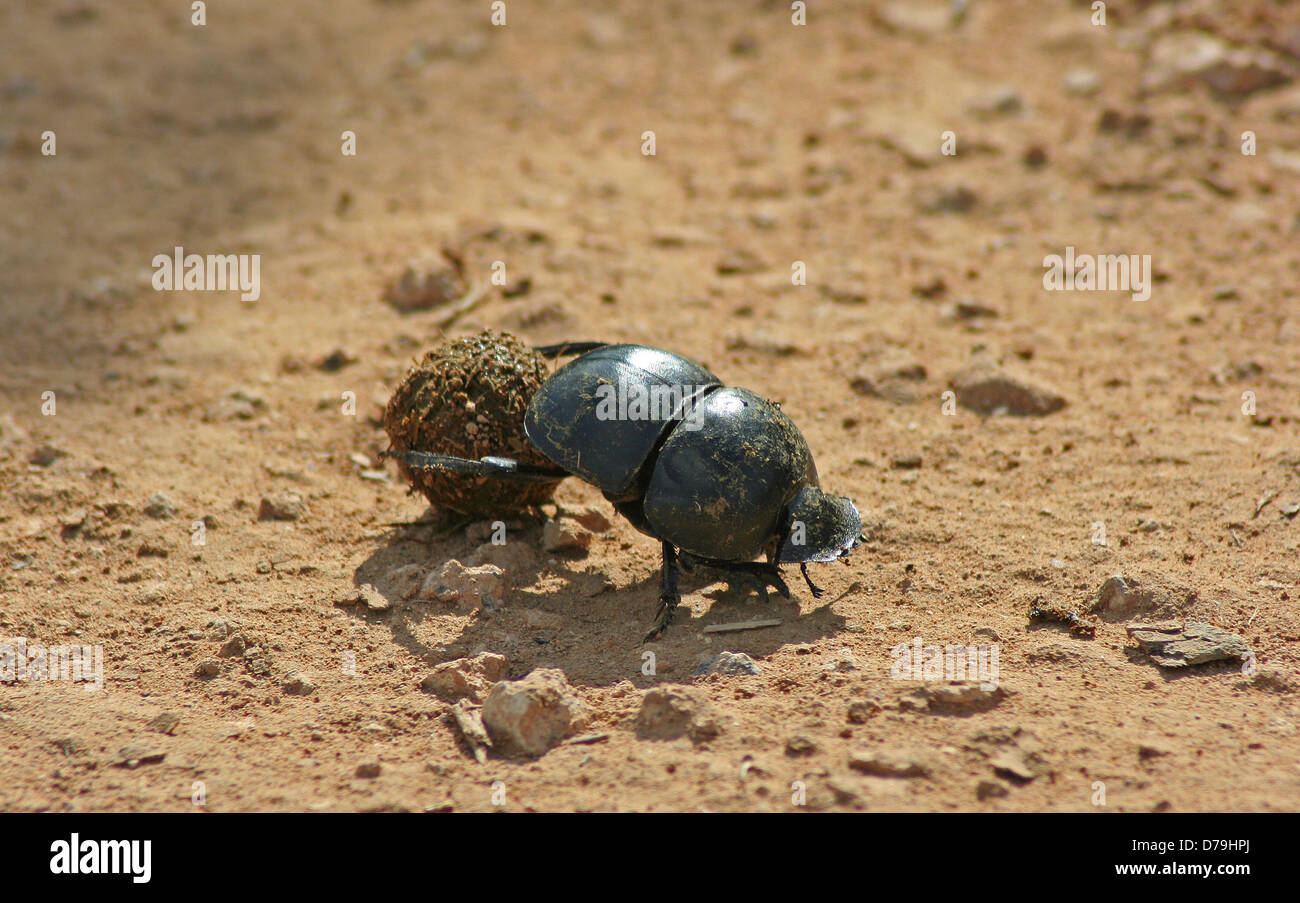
(816, 590)
(669, 597)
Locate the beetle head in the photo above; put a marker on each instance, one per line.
(820, 527)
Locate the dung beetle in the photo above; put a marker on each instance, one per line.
(719, 475)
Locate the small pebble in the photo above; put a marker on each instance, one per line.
(287, 505)
(728, 663)
(160, 507)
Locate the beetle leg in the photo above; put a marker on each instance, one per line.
(764, 575)
(760, 579)
(773, 576)
(502, 468)
(755, 573)
(566, 348)
(813, 587)
(669, 597)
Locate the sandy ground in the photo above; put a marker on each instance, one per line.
(774, 143)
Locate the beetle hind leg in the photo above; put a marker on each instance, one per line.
(669, 596)
(767, 575)
(756, 574)
(566, 348)
(501, 468)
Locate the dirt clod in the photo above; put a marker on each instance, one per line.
(287, 505)
(986, 390)
(527, 717)
(468, 587)
(466, 678)
(891, 763)
(1172, 644)
(671, 712)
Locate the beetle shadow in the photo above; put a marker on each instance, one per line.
(526, 626)
(733, 603)
(565, 612)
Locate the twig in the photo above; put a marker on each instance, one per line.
(742, 625)
(470, 722)
(1268, 497)
(472, 299)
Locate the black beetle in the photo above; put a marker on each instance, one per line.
(718, 475)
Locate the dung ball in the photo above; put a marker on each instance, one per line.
(467, 399)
